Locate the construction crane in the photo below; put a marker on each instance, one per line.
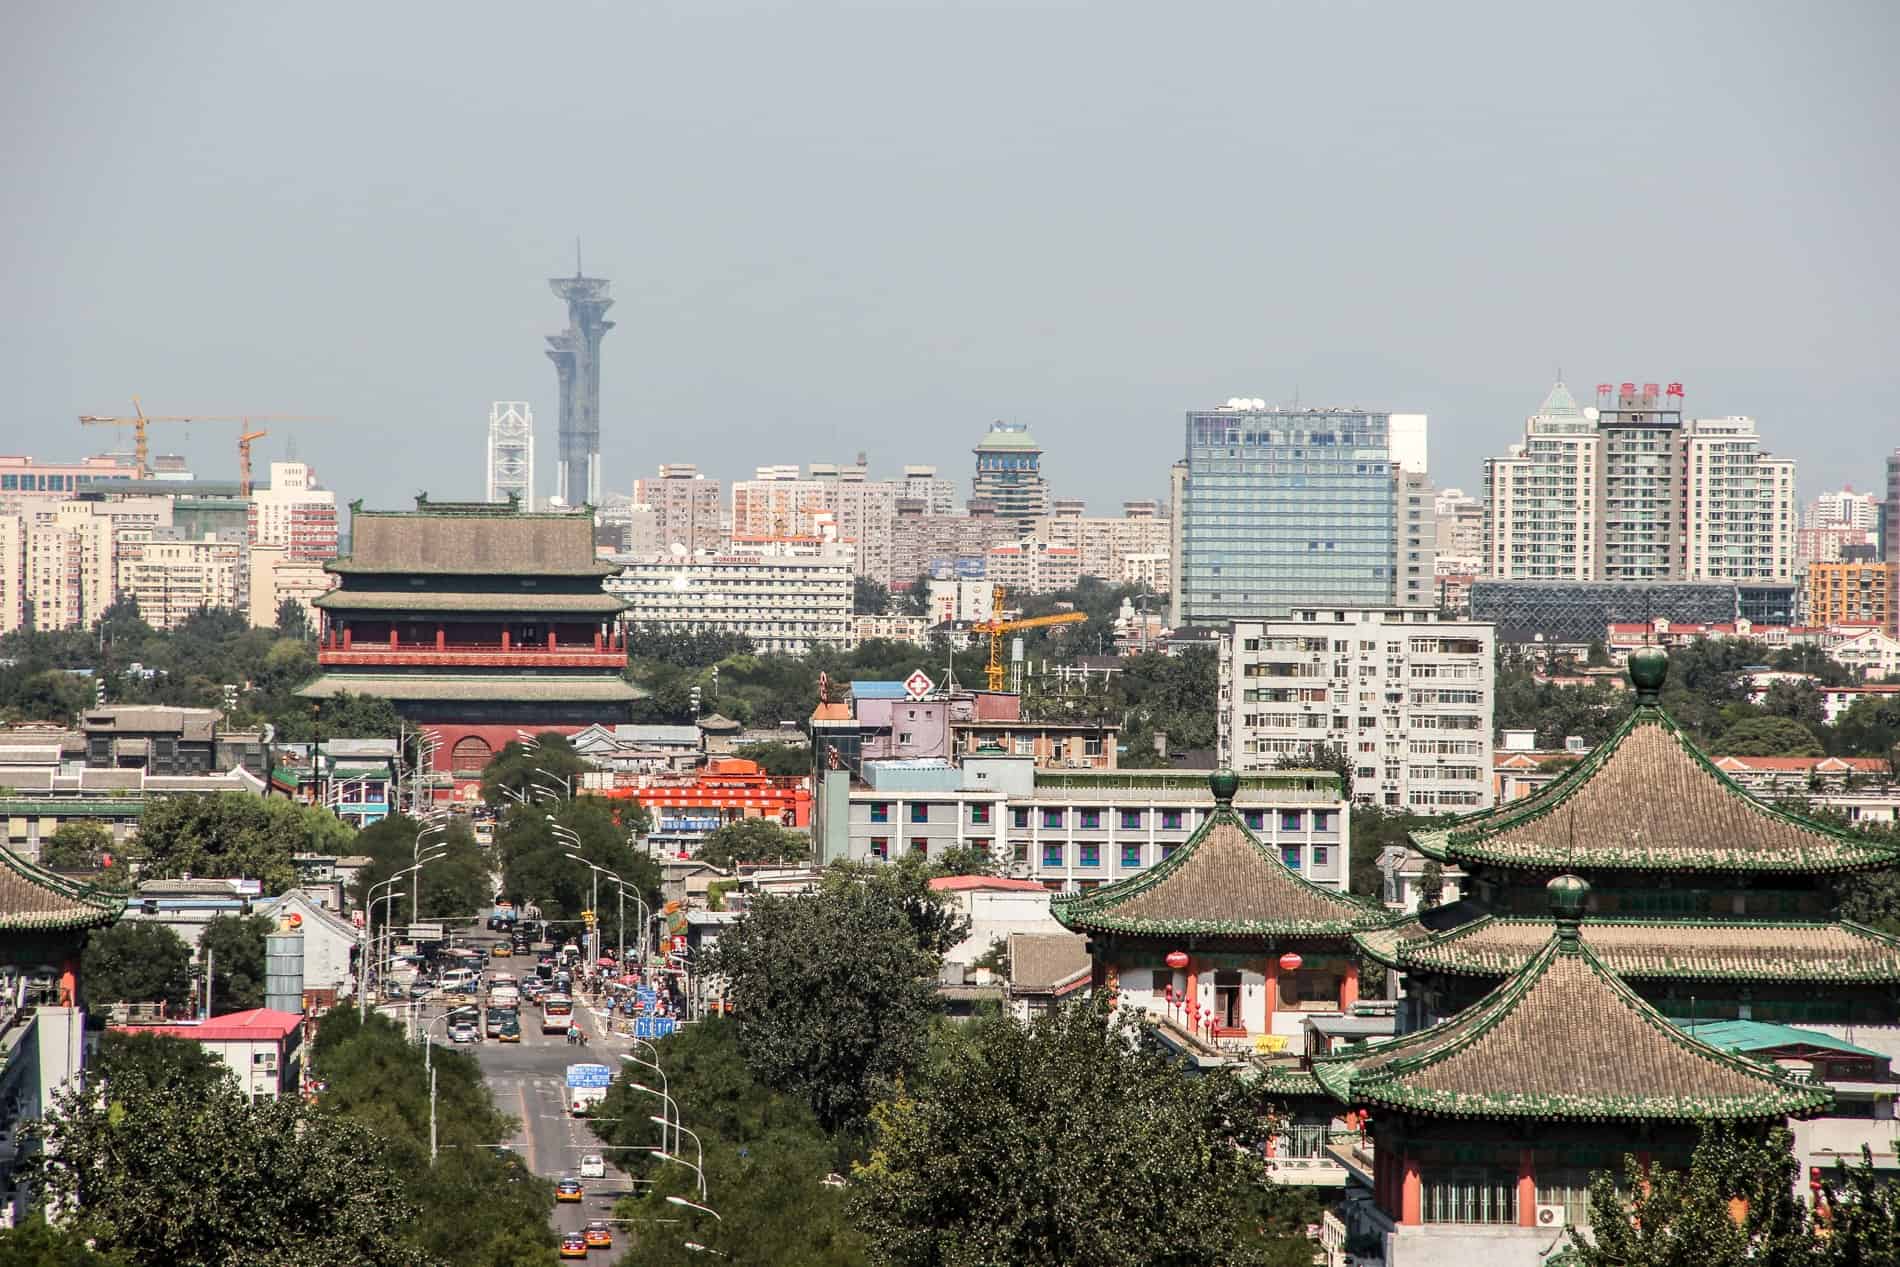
(244, 460)
(996, 627)
(142, 445)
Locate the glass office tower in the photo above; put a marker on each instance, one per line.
(1292, 507)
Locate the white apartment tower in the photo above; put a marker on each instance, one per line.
(789, 598)
(511, 452)
(1408, 694)
(1539, 500)
(295, 512)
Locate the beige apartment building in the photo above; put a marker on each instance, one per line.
(276, 576)
(787, 597)
(172, 578)
(689, 507)
(1131, 549)
(779, 502)
(294, 512)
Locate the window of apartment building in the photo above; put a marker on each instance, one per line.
(1167, 851)
(881, 847)
(1052, 855)
(1291, 820)
(1320, 854)
(1052, 818)
(981, 844)
(1255, 819)
(920, 845)
(1131, 818)
(1322, 820)
(1019, 817)
(1131, 857)
(920, 812)
(880, 811)
(1092, 745)
(1290, 854)
(980, 813)
(1091, 819)
(1171, 820)
(1091, 855)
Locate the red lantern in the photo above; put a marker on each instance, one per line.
(1168, 992)
(1290, 962)
(1177, 959)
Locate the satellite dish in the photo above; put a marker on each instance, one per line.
(679, 549)
(1592, 413)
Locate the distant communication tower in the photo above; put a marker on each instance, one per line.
(511, 452)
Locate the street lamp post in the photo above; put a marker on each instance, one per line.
(663, 1093)
(703, 1209)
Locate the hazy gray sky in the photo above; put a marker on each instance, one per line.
(842, 227)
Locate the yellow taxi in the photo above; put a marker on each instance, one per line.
(598, 1235)
(502, 950)
(510, 1035)
(573, 1246)
(568, 1190)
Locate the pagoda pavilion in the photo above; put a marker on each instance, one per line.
(1484, 1129)
(1710, 904)
(1224, 947)
(476, 622)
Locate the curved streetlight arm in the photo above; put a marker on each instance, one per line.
(703, 1209)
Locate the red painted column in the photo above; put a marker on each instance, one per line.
(392, 638)
(1412, 1194)
(597, 645)
(68, 984)
(348, 634)
(550, 637)
(1526, 1189)
(1193, 999)
(1349, 987)
(441, 638)
(504, 639)
(1272, 991)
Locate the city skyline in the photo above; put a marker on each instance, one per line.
(1443, 239)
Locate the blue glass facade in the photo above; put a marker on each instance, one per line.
(1286, 508)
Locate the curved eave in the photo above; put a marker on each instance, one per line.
(1202, 928)
(63, 921)
(1584, 862)
(1586, 1108)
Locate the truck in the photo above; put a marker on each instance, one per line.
(586, 1086)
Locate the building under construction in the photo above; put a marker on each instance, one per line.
(576, 356)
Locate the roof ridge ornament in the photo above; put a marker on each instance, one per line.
(1225, 785)
(1568, 895)
(1648, 669)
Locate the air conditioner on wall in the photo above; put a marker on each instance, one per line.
(1550, 1215)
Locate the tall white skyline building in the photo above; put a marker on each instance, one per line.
(1843, 509)
(511, 452)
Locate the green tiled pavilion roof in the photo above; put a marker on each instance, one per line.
(1221, 882)
(1639, 949)
(33, 898)
(1648, 800)
(1564, 1039)
(1383, 943)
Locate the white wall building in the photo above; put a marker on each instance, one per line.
(295, 512)
(788, 598)
(1843, 509)
(1408, 694)
(1106, 545)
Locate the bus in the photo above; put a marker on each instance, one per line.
(557, 1013)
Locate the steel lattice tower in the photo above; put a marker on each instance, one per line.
(511, 452)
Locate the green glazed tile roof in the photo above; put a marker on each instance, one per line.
(1383, 943)
(1640, 949)
(1564, 1039)
(1648, 800)
(1221, 882)
(33, 898)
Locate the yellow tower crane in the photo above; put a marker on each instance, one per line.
(996, 627)
(141, 443)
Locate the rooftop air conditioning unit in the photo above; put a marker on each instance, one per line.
(1550, 1216)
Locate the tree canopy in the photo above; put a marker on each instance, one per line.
(130, 1060)
(136, 961)
(454, 883)
(78, 845)
(236, 835)
(536, 867)
(233, 946)
(1769, 737)
(753, 840)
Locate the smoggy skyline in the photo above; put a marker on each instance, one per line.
(875, 227)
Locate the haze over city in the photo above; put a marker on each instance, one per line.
(835, 229)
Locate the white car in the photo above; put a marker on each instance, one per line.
(593, 1167)
(464, 1033)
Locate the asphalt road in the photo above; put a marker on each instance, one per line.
(529, 1082)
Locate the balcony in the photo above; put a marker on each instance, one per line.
(602, 653)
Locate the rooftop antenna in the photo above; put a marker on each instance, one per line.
(577, 255)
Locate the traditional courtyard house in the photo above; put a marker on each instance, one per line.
(1711, 904)
(1225, 948)
(1483, 1131)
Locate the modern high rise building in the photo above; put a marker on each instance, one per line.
(1629, 490)
(1120, 551)
(511, 452)
(1850, 594)
(1890, 524)
(1843, 509)
(1009, 473)
(690, 507)
(921, 483)
(779, 502)
(1407, 694)
(1289, 508)
(297, 512)
(576, 356)
(788, 597)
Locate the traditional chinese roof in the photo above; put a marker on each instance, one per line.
(467, 539)
(1221, 882)
(1286, 1080)
(1566, 1039)
(1649, 800)
(1383, 943)
(35, 899)
(591, 603)
(497, 687)
(1649, 949)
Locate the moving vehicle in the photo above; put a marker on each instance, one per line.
(586, 1086)
(502, 950)
(557, 1012)
(573, 1245)
(463, 980)
(593, 1166)
(568, 1189)
(499, 1018)
(598, 1235)
(510, 1033)
(464, 1033)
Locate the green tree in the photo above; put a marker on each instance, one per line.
(869, 597)
(1671, 1218)
(457, 882)
(835, 989)
(293, 1185)
(753, 840)
(981, 1163)
(1431, 885)
(150, 1062)
(1768, 737)
(78, 845)
(233, 946)
(964, 860)
(236, 835)
(292, 621)
(1799, 701)
(344, 716)
(782, 759)
(136, 961)
(536, 867)
(37, 1243)
(514, 773)
(1870, 727)
(916, 596)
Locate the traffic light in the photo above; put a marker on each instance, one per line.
(587, 917)
(695, 694)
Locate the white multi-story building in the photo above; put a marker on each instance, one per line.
(511, 452)
(1407, 694)
(1033, 567)
(59, 560)
(778, 502)
(690, 507)
(295, 512)
(922, 484)
(1630, 490)
(172, 578)
(1110, 548)
(788, 597)
(1844, 509)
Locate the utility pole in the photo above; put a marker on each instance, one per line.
(432, 1116)
(211, 960)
